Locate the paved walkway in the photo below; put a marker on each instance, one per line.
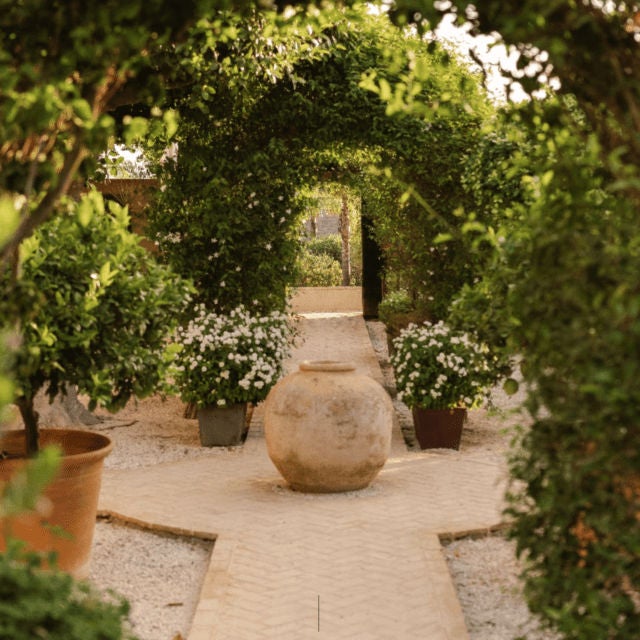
(363, 565)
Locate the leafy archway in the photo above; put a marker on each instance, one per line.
(271, 114)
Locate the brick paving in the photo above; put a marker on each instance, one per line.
(362, 565)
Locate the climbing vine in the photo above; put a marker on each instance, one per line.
(291, 111)
(561, 291)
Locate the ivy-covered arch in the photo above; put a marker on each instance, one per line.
(229, 215)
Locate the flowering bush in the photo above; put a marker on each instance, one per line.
(438, 368)
(233, 358)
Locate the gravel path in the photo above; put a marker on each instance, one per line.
(161, 574)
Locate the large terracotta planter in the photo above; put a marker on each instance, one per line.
(439, 428)
(73, 495)
(222, 426)
(328, 428)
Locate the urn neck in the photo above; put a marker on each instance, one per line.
(327, 365)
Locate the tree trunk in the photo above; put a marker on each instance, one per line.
(30, 419)
(66, 410)
(371, 268)
(345, 233)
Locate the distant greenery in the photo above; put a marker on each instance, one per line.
(330, 245)
(317, 270)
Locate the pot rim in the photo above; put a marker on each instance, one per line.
(94, 445)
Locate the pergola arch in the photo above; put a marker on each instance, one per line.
(241, 164)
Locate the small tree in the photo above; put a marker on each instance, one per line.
(96, 310)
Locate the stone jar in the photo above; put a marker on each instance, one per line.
(328, 428)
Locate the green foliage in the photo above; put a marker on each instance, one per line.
(317, 270)
(560, 289)
(50, 604)
(330, 245)
(284, 111)
(577, 514)
(6, 384)
(398, 310)
(22, 492)
(64, 68)
(96, 308)
(393, 304)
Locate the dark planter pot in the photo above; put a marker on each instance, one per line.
(73, 496)
(439, 428)
(222, 426)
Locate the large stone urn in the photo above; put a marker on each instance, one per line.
(328, 428)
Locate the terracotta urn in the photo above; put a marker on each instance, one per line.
(327, 427)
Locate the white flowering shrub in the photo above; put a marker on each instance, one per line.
(225, 359)
(439, 368)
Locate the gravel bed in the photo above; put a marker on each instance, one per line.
(161, 574)
(485, 573)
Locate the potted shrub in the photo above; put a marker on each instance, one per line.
(95, 310)
(226, 361)
(440, 373)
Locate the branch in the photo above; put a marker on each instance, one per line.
(46, 207)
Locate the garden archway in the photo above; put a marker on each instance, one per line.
(232, 205)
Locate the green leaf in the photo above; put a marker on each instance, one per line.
(385, 89)
(9, 218)
(135, 128)
(171, 120)
(22, 492)
(510, 386)
(85, 212)
(106, 274)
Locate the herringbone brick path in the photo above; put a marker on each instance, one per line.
(363, 565)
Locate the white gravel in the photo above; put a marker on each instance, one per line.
(485, 573)
(161, 574)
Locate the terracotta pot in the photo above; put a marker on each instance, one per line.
(328, 428)
(73, 496)
(439, 428)
(222, 426)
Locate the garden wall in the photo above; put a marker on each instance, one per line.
(326, 299)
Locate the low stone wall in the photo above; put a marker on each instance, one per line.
(326, 299)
